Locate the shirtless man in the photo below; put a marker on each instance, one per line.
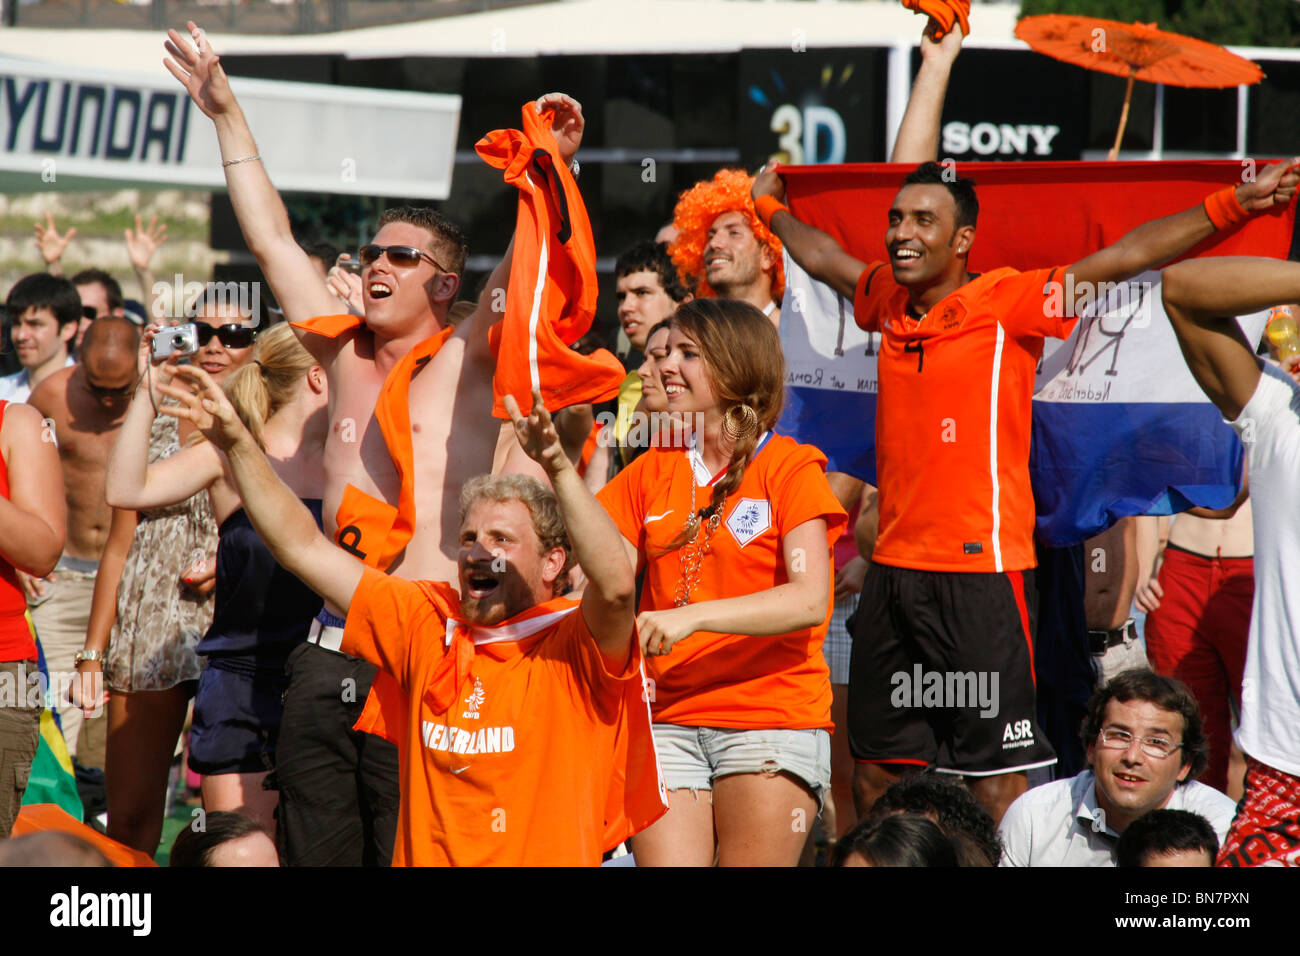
(411, 274)
(86, 404)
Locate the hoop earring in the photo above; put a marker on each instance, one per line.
(739, 423)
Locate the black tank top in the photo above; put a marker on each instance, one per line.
(262, 612)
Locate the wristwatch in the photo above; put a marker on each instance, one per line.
(85, 655)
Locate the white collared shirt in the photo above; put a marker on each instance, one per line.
(1060, 823)
(17, 387)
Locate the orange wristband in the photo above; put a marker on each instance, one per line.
(768, 206)
(1224, 209)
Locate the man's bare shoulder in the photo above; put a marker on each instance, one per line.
(52, 394)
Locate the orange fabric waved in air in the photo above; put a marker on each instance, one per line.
(374, 530)
(551, 299)
(944, 12)
(521, 746)
(731, 680)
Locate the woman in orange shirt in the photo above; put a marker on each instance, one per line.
(734, 533)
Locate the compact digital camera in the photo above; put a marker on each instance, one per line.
(178, 340)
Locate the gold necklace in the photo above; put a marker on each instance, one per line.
(692, 553)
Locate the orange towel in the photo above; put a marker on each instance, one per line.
(944, 12)
(552, 295)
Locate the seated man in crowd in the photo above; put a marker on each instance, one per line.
(1168, 838)
(526, 743)
(1146, 745)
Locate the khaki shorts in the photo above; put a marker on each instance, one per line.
(20, 730)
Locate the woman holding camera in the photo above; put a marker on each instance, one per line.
(154, 593)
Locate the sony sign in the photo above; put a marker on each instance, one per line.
(990, 139)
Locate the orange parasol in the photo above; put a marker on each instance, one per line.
(1137, 51)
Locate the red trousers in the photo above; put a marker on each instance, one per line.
(1198, 634)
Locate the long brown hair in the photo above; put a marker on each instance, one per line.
(745, 366)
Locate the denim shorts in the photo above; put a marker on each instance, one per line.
(693, 757)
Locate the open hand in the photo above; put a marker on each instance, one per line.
(204, 405)
(49, 242)
(142, 243)
(192, 61)
(568, 124)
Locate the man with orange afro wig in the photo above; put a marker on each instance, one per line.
(722, 247)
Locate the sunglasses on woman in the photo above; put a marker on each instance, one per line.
(405, 256)
(231, 336)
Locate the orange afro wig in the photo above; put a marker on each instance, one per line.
(695, 212)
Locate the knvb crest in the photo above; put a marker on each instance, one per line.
(750, 518)
(474, 701)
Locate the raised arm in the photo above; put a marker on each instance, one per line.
(297, 284)
(918, 134)
(52, 245)
(1155, 243)
(279, 517)
(817, 253)
(609, 601)
(1202, 297)
(141, 245)
(129, 480)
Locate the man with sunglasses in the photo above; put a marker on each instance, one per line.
(42, 313)
(1146, 745)
(85, 405)
(411, 273)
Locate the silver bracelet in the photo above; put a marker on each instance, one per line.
(245, 159)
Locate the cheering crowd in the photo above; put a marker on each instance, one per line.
(431, 608)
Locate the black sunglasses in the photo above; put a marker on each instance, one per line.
(88, 312)
(99, 391)
(406, 256)
(231, 336)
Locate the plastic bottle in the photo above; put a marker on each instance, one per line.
(1282, 332)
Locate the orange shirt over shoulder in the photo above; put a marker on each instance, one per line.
(731, 680)
(953, 415)
(545, 756)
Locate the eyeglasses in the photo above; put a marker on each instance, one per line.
(406, 256)
(89, 312)
(1157, 747)
(231, 336)
(99, 391)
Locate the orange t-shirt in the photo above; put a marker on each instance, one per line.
(953, 415)
(544, 759)
(731, 680)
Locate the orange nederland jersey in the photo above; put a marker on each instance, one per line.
(551, 299)
(953, 419)
(522, 744)
(731, 680)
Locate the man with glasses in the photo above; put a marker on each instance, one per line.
(1146, 746)
(84, 406)
(42, 313)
